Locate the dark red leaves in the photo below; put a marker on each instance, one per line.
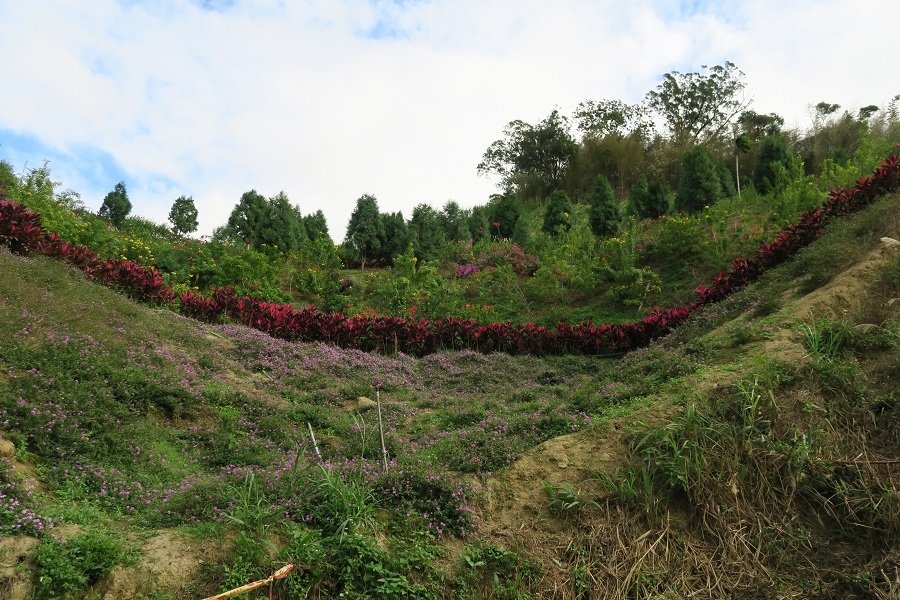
(20, 230)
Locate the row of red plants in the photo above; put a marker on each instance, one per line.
(20, 230)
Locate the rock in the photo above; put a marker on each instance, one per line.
(7, 448)
(363, 403)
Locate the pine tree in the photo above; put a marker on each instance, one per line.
(505, 211)
(365, 230)
(479, 223)
(700, 184)
(246, 218)
(396, 235)
(603, 211)
(773, 156)
(315, 225)
(558, 214)
(280, 228)
(426, 233)
(453, 220)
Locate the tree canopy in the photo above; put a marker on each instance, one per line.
(116, 205)
(183, 215)
(699, 106)
(365, 231)
(425, 232)
(531, 154)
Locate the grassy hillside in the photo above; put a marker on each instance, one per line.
(750, 454)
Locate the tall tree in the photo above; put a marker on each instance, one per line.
(700, 184)
(658, 199)
(774, 156)
(756, 126)
(604, 214)
(479, 223)
(365, 230)
(426, 233)
(315, 225)
(538, 154)
(609, 117)
(281, 227)
(699, 106)
(183, 215)
(246, 218)
(558, 214)
(116, 205)
(396, 235)
(454, 221)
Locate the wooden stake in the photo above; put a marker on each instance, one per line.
(384, 453)
(312, 436)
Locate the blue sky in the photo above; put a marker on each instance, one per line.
(330, 99)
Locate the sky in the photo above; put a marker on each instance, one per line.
(328, 100)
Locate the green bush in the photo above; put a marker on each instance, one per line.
(65, 568)
(558, 214)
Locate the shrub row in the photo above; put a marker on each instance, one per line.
(20, 231)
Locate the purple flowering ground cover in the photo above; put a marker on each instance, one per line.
(145, 417)
(138, 420)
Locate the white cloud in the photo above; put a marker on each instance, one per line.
(295, 96)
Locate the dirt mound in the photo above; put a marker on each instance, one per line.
(846, 292)
(169, 563)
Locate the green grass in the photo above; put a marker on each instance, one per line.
(137, 419)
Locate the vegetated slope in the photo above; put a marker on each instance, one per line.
(770, 472)
(173, 457)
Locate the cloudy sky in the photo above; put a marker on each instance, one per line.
(330, 99)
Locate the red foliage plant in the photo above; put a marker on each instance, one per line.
(20, 230)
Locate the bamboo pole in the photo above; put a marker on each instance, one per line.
(279, 574)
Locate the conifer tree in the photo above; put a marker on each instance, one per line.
(558, 214)
(504, 213)
(773, 153)
(426, 233)
(603, 211)
(315, 225)
(700, 184)
(396, 235)
(365, 231)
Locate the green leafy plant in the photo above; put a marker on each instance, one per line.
(344, 505)
(824, 339)
(65, 568)
(565, 499)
